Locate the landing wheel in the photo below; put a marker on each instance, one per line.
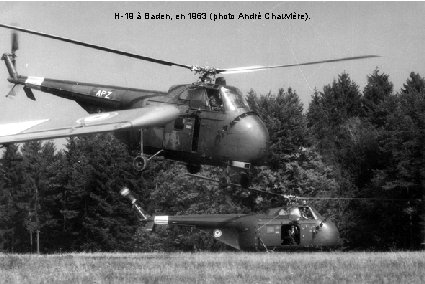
(193, 168)
(140, 163)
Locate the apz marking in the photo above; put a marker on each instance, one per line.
(106, 94)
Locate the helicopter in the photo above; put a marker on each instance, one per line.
(290, 227)
(206, 122)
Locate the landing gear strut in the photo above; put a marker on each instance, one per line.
(140, 162)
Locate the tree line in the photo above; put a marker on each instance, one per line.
(348, 143)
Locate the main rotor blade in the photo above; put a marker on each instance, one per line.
(310, 198)
(98, 47)
(355, 198)
(261, 68)
(286, 196)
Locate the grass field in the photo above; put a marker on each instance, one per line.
(320, 267)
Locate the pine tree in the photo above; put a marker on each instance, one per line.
(332, 117)
(376, 147)
(13, 202)
(376, 94)
(94, 216)
(347, 141)
(283, 115)
(403, 144)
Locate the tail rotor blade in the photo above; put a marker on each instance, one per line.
(12, 92)
(14, 47)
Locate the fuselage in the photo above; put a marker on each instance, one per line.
(294, 227)
(215, 125)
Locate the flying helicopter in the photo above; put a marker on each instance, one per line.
(293, 226)
(206, 122)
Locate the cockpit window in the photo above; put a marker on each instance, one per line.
(215, 100)
(306, 212)
(198, 98)
(295, 211)
(303, 212)
(184, 95)
(232, 98)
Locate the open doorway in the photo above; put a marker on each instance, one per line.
(290, 235)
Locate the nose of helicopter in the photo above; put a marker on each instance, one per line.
(252, 140)
(328, 235)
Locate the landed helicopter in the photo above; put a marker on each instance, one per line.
(207, 122)
(294, 226)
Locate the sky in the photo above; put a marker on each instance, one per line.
(393, 30)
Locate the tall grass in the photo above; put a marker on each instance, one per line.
(394, 267)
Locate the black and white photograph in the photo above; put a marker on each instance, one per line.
(212, 142)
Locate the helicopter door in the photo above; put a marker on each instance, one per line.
(307, 228)
(182, 134)
(270, 234)
(307, 224)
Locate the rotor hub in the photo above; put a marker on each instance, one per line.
(206, 73)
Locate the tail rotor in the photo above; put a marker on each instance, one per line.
(125, 192)
(14, 47)
(10, 60)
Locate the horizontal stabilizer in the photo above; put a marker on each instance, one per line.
(149, 227)
(29, 93)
